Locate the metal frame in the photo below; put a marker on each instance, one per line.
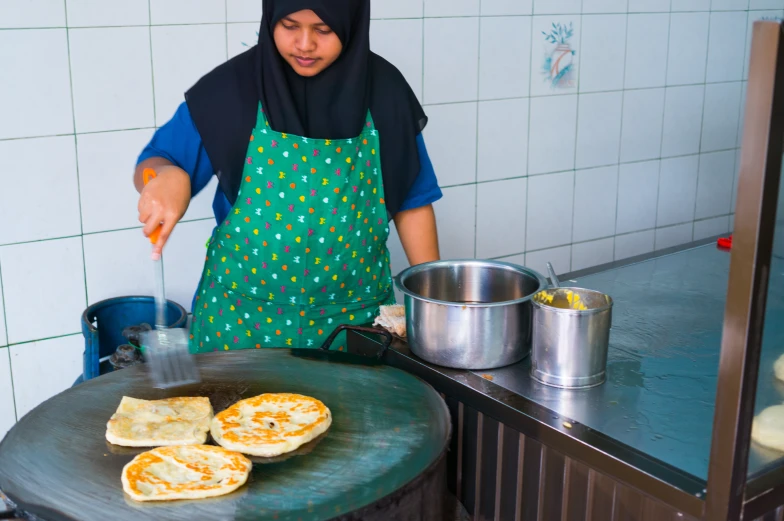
(755, 219)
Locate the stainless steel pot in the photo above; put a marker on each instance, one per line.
(570, 345)
(469, 314)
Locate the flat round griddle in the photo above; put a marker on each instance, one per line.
(388, 428)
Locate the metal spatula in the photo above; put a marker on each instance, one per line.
(166, 349)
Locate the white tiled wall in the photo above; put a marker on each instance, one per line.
(634, 150)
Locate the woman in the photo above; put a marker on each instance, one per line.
(302, 208)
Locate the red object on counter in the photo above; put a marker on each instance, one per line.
(725, 242)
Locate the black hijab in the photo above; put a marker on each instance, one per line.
(331, 105)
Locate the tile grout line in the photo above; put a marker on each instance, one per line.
(576, 135)
(702, 126)
(476, 155)
(620, 136)
(76, 155)
(8, 347)
(661, 135)
(528, 136)
(155, 127)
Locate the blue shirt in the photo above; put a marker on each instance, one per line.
(178, 141)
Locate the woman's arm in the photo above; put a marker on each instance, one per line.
(177, 155)
(418, 233)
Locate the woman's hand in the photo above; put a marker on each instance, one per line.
(418, 234)
(163, 200)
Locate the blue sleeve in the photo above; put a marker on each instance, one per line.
(178, 141)
(425, 190)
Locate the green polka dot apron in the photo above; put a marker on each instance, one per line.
(303, 249)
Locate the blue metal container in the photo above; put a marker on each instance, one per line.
(104, 322)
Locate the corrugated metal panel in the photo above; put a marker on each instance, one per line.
(501, 475)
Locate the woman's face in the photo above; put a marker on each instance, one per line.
(306, 43)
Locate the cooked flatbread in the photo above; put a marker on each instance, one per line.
(173, 421)
(184, 472)
(393, 319)
(778, 368)
(270, 424)
(767, 429)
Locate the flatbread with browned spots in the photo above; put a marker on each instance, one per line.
(184, 472)
(173, 421)
(270, 424)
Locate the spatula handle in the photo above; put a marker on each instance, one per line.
(148, 174)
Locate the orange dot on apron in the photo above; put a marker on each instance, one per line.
(362, 260)
(264, 243)
(353, 207)
(205, 305)
(239, 321)
(258, 346)
(285, 267)
(311, 210)
(247, 219)
(293, 186)
(336, 190)
(342, 285)
(338, 150)
(332, 229)
(303, 290)
(246, 258)
(320, 331)
(225, 295)
(348, 246)
(288, 227)
(370, 182)
(307, 250)
(277, 332)
(326, 268)
(251, 137)
(228, 271)
(247, 179)
(375, 237)
(364, 141)
(260, 309)
(270, 162)
(381, 200)
(296, 146)
(228, 236)
(218, 334)
(263, 282)
(302, 313)
(312, 170)
(366, 220)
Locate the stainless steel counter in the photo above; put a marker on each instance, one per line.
(663, 360)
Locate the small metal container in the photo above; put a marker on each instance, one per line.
(469, 314)
(571, 337)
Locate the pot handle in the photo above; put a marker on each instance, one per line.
(381, 332)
